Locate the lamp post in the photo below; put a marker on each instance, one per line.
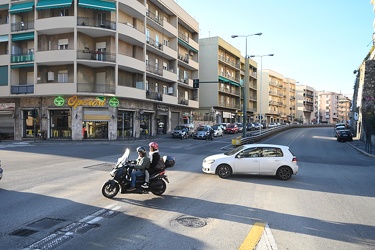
(246, 84)
(260, 88)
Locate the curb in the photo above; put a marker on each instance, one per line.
(361, 151)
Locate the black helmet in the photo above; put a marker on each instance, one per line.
(141, 150)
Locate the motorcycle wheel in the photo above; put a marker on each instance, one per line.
(110, 189)
(160, 191)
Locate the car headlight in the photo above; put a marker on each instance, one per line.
(208, 161)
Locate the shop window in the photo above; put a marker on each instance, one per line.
(124, 124)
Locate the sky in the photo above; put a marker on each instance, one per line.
(318, 43)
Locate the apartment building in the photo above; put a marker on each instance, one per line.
(328, 107)
(290, 110)
(343, 109)
(221, 76)
(305, 102)
(272, 105)
(96, 69)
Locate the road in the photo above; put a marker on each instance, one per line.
(51, 198)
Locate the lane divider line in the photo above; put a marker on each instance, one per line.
(253, 237)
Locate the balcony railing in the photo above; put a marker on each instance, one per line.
(27, 25)
(22, 89)
(154, 17)
(96, 55)
(93, 22)
(154, 69)
(22, 58)
(183, 36)
(154, 96)
(96, 88)
(154, 43)
(183, 102)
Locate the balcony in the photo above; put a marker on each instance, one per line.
(154, 96)
(101, 88)
(21, 26)
(22, 58)
(155, 69)
(22, 89)
(94, 22)
(96, 55)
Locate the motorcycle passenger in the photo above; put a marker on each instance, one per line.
(154, 160)
(143, 162)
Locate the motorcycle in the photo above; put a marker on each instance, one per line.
(121, 178)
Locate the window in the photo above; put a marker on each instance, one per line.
(156, 87)
(62, 76)
(165, 90)
(166, 42)
(186, 95)
(64, 12)
(272, 152)
(250, 152)
(101, 18)
(156, 40)
(147, 86)
(63, 44)
(165, 66)
(146, 60)
(147, 35)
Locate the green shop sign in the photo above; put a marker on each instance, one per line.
(74, 101)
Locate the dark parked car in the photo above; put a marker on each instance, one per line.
(250, 126)
(338, 128)
(344, 135)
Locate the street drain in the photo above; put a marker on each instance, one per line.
(23, 232)
(193, 222)
(45, 223)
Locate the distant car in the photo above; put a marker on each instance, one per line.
(250, 126)
(224, 125)
(218, 131)
(338, 128)
(202, 132)
(344, 135)
(240, 127)
(272, 125)
(183, 131)
(231, 129)
(1, 172)
(257, 125)
(258, 159)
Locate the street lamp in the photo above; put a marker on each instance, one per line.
(260, 89)
(246, 84)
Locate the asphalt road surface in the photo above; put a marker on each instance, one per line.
(50, 198)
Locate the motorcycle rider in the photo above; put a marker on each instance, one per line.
(143, 162)
(154, 160)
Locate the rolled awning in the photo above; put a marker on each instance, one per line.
(223, 79)
(97, 4)
(23, 36)
(25, 65)
(4, 38)
(22, 7)
(53, 4)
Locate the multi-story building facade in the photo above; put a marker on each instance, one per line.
(343, 109)
(221, 76)
(305, 102)
(328, 107)
(290, 85)
(96, 69)
(272, 105)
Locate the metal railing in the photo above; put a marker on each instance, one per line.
(22, 89)
(94, 22)
(27, 25)
(96, 55)
(96, 88)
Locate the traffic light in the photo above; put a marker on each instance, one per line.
(34, 113)
(196, 83)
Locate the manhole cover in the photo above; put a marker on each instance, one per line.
(23, 232)
(45, 223)
(191, 222)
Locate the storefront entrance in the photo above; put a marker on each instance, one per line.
(95, 130)
(31, 126)
(124, 124)
(60, 121)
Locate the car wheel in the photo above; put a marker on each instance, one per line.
(224, 171)
(284, 173)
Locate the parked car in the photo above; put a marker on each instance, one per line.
(257, 125)
(250, 126)
(258, 159)
(183, 131)
(224, 125)
(231, 129)
(1, 172)
(272, 125)
(202, 132)
(338, 128)
(344, 135)
(218, 131)
(239, 126)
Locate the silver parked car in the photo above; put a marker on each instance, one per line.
(257, 159)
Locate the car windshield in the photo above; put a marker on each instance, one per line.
(215, 127)
(230, 126)
(202, 128)
(179, 128)
(234, 151)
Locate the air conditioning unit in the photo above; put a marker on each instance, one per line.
(50, 76)
(170, 90)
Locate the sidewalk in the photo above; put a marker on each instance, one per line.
(361, 147)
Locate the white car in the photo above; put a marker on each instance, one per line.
(217, 130)
(258, 159)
